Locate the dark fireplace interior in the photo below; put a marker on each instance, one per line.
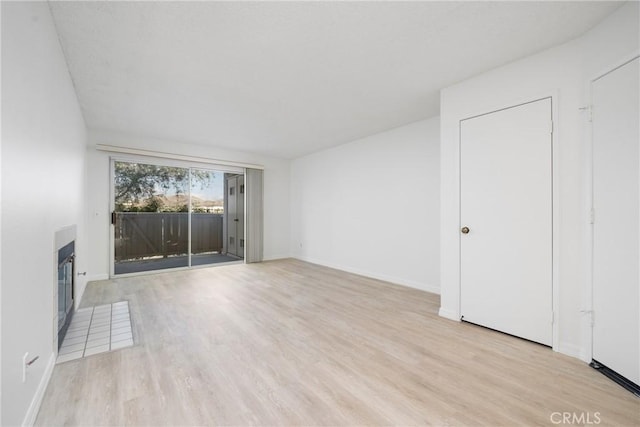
(66, 257)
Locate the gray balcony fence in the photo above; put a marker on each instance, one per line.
(141, 235)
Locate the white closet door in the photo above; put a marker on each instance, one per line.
(616, 231)
(506, 202)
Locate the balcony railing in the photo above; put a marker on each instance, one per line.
(140, 235)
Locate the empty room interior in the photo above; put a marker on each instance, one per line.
(320, 213)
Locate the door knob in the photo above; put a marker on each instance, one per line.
(465, 230)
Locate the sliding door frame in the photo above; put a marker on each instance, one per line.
(159, 161)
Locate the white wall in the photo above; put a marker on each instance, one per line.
(43, 145)
(372, 206)
(561, 71)
(276, 192)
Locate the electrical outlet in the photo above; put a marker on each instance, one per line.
(25, 359)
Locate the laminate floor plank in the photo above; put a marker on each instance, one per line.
(291, 343)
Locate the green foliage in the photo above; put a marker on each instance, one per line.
(136, 182)
(154, 204)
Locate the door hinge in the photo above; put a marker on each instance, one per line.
(113, 218)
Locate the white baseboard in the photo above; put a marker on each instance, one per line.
(96, 277)
(34, 407)
(274, 257)
(391, 279)
(448, 314)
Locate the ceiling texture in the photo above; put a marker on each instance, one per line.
(290, 78)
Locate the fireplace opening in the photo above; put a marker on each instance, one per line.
(66, 274)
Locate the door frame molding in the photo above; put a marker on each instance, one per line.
(555, 190)
(586, 353)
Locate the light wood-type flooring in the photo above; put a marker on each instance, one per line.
(291, 343)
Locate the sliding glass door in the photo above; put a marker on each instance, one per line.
(207, 217)
(167, 217)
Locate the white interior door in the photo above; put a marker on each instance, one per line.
(506, 203)
(616, 232)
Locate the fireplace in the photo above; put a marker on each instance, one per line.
(66, 274)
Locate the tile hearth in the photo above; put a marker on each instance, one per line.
(97, 329)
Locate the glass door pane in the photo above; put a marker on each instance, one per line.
(151, 217)
(207, 217)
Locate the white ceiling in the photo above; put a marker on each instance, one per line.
(290, 78)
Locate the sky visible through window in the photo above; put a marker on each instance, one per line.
(213, 190)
